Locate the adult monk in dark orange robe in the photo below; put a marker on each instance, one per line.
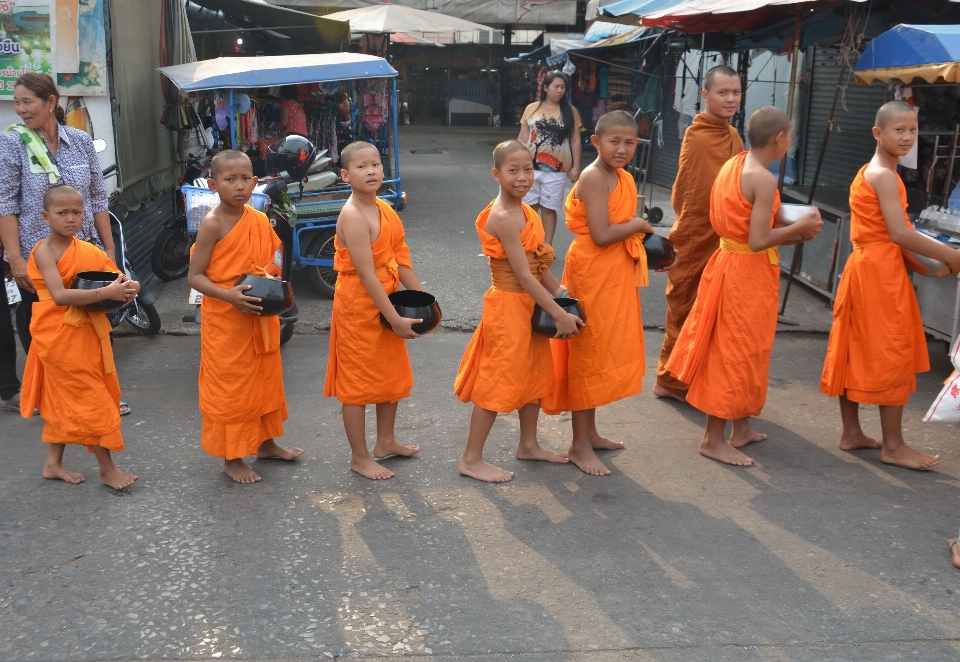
(723, 351)
(707, 144)
(605, 265)
(70, 374)
(241, 375)
(368, 362)
(507, 366)
(877, 343)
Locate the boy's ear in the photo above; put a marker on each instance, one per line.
(496, 174)
(876, 132)
(594, 140)
(212, 184)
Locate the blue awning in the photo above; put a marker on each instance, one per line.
(906, 52)
(637, 7)
(247, 72)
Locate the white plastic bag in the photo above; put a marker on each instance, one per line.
(946, 406)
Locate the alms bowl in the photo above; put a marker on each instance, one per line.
(659, 251)
(276, 296)
(923, 265)
(543, 322)
(789, 213)
(414, 304)
(92, 280)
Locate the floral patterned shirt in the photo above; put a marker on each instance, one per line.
(21, 191)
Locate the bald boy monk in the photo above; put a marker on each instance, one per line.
(709, 143)
(70, 374)
(723, 351)
(368, 363)
(877, 343)
(507, 366)
(605, 265)
(241, 376)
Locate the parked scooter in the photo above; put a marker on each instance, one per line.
(170, 258)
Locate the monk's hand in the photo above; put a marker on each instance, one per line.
(809, 226)
(18, 269)
(954, 263)
(236, 295)
(403, 327)
(568, 325)
(676, 257)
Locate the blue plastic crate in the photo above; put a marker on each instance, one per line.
(198, 201)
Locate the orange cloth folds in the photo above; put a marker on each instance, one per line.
(506, 365)
(241, 374)
(707, 145)
(877, 344)
(605, 361)
(368, 362)
(723, 350)
(70, 375)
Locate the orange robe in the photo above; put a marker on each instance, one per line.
(605, 361)
(241, 376)
(368, 362)
(70, 375)
(877, 344)
(723, 351)
(507, 365)
(707, 145)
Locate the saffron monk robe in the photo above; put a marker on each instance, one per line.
(241, 376)
(368, 363)
(877, 343)
(507, 366)
(70, 374)
(707, 144)
(723, 351)
(605, 265)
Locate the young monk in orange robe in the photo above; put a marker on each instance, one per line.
(877, 343)
(605, 265)
(70, 374)
(241, 376)
(709, 143)
(368, 363)
(507, 366)
(723, 351)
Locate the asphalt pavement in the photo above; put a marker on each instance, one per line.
(812, 554)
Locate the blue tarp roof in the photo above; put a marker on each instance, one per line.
(245, 72)
(637, 7)
(912, 46)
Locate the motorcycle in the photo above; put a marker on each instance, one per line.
(170, 257)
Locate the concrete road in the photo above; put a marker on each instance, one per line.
(812, 554)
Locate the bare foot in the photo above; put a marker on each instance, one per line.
(852, 442)
(662, 392)
(904, 456)
(239, 471)
(724, 452)
(388, 448)
(59, 472)
(117, 479)
(599, 443)
(370, 469)
(740, 439)
(588, 462)
(954, 552)
(538, 452)
(484, 471)
(271, 450)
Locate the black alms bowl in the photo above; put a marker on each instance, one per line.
(414, 304)
(92, 280)
(543, 322)
(659, 251)
(276, 296)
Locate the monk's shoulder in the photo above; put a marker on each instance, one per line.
(880, 177)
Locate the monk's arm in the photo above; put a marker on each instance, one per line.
(119, 290)
(888, 194)
(409, 279)
(593, 192)
(549, 281)
(197, 277)
(762, 187)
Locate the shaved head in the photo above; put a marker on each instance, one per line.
(351, 150)
(615, 119)
(58, 191)
(226, 156)
(765, 124)
(890, 110)
(506, 149)
(719, 70)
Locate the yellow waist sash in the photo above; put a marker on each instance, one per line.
(743, 248)
(77, 316)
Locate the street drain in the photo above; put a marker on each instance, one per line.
(426, 151)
